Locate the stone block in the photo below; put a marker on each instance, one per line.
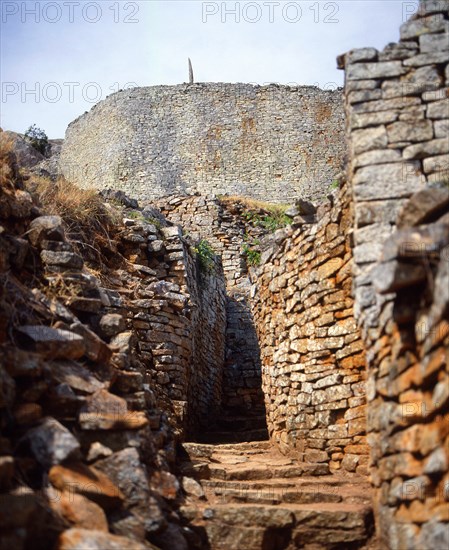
(402, 131)
(364, 95)
(438, 164)
(368, 71)
(422, 206)
(429, 43)
(414, 28)
(387, 181)
(441, 128)
(395, 104)
(361, 54)
(380, 156)
(52, 443)
(369, 139)
(427, 59)
(438, 109)
(393, 276)
(427, 149)
(384, 211)
(355, 85)
(45, 228)
(76, 538)
(54, 343)
(365, 120)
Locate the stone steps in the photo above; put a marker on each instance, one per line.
(257, 499)
(276, 491)
(271, 527)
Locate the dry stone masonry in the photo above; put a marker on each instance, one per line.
(313, 360)
(86, 457)
(177, 312)
(397, 115)
(340, 337)
(226, 230)
(268, 142)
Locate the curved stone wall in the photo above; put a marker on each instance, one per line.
(272, 142)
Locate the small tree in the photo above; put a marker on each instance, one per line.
(37, 138)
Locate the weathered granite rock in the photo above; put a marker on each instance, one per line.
(75, 376)
(54, 343)
(45, 228)
(77, 539)
(392, 276)
(111, 324)
(191, 487)
(78, 478)
(78, 510)
(96, 349)
(27, 155)
(52, 443)
(69, 260)
(423, 207)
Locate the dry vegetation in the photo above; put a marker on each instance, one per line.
(253, 204)
(8, 167)
(90, 224)
(265, 215)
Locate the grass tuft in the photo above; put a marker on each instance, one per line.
(89, 222)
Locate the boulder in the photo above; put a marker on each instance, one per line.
(51, 443)
(45, 228)
(54, 343)
(111, 324)
(27, 155)
(76, 477)
(83, 539)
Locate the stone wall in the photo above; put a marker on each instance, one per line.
(397, 123)
(313, 363)
(86, 457)
(268, 142)
(206, 217)
(177, 312)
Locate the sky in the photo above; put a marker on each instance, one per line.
(59, 58)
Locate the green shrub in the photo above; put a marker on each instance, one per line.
(205, 255)
(251, 251)
(276, 219)
(252, 255)
(37, 138)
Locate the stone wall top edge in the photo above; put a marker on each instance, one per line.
(201, 87)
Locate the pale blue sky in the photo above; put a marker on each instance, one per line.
(59, 57)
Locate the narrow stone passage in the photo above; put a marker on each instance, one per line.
(249, 496)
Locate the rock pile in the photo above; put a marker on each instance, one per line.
(86, 457)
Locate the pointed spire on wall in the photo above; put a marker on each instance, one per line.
(190, 72)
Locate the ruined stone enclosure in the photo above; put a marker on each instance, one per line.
(267, 142)
(301, 402)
